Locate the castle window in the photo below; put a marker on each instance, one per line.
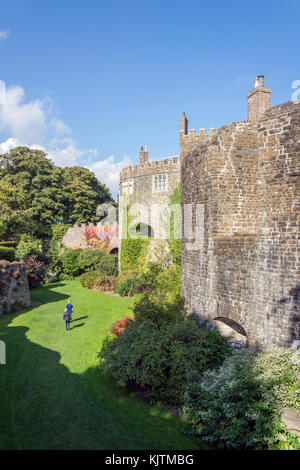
(160, 183)
(127, 187)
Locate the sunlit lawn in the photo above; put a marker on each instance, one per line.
(53, 395)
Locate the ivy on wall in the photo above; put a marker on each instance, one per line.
(175, 226)
(132, 249)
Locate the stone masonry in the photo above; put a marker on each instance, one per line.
(14, 290)
(245, 177)
(148, 184)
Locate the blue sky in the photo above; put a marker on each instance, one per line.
(90, 82)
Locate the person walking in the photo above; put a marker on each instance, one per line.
(68, 314)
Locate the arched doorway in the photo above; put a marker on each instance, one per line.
(232, 331)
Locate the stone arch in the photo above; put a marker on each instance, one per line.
(114, 250)
(231, 330)
(145, 230)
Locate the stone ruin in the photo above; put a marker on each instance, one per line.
(14, 289)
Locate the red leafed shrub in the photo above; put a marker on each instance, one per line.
(35, 271)
(119, 326)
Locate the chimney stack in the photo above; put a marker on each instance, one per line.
(144, 155)
(259, 99)
(183, 124)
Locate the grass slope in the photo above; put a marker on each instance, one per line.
(53, 395)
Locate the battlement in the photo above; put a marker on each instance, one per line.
(165, 165)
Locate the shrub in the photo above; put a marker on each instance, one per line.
(159, 359)
(70, 264)
(158, 310)
(131, 250)
(35, 272)
(109, 264)
(9, 244)
(88, 279)
(89, 259)
(129, 286)
(59, 231)
(119, 325)
(7, 253)
(105, 284)
(29, 246)
(239, 405)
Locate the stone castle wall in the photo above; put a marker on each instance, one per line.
(14, 290)
(246, 176)
(141, 179)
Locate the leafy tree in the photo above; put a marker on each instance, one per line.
(83, 193)
(34, 194)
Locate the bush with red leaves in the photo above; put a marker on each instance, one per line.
(35, 271)
(119, 326)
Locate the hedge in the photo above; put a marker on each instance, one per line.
(132, 249)
(9, 244)
(7, 253)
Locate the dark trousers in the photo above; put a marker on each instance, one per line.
(67, 325)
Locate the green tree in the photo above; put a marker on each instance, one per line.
(34, 193)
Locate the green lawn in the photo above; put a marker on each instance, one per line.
(54, 396)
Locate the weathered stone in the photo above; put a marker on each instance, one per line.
(291, 418)
(248, 267)
(14, 290)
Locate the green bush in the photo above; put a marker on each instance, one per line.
(88, 279)
(105, 283)
(7, 254)
(239, 405)
(133, 249)
(29, 246)
(9, 244)
(82, 260)
(158, 360)
(89, 259)
(59, 231)
(128, 286)
(70, 263)
(109, 264)
(157, 310)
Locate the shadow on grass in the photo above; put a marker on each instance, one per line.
(46, 294)
(45, 406)
(80, 318)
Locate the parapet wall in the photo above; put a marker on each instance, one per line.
(247, 177)
(171, 164)
(14, 290)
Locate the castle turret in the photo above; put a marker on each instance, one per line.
(259, 99)
(144, 155)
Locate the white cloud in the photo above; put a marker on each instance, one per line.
(32, 124)
(4, 34)
(108, 171)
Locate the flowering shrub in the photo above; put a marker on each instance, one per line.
(239, 405)
(100, 236)
(119, 325)
(35, 272)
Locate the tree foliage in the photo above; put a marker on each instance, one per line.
(34, 194)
